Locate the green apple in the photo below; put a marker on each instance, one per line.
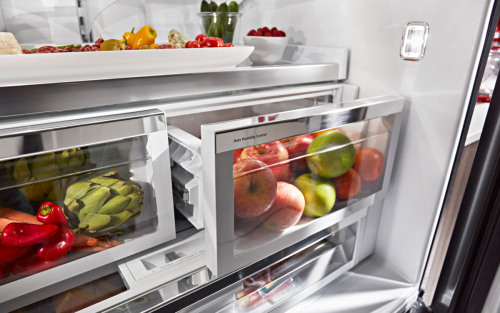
(318, 193)
(331, 154)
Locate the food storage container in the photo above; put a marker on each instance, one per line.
(222, 25)
(268, 50)
(256, 174)
(104, 169)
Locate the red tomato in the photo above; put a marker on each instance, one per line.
(186, 45)
(283, 34)
(200, 37)
(195, 44)
(210, 42)
(273, 29)
(228, 45)
(347, 185)
(265, 30)
(268, 35)
(251, 32)
(258, 34)
(221, 41)
(369, 163)
(259, 30)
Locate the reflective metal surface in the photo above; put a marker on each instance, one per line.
(53, 97)
(61, 131)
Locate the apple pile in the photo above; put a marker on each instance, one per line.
(279, 181)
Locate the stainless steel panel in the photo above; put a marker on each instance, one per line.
(54, 97)
(61, 131)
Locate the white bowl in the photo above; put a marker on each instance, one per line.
(268, 50)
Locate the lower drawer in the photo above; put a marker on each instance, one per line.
(269, 288)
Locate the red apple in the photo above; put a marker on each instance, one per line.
(297, 147)
(254, 188)
(237, 155)
(269, 153)
(287, 176)
(286, 210)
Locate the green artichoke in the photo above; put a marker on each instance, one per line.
(104, 201)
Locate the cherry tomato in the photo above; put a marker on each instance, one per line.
(187, 44)
(195, 44)
(200, 37)
(258, 34)
(221, 41)
(251, 32)
(228, 45)
(210, 42)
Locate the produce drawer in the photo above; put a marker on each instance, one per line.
(264, 291)
(103, 172)
(279, 172)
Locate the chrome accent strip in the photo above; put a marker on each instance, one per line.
(37, 135)
(64, 96)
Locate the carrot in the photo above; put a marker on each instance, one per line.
(109, 243)
(19, 216)
(83, 240)
(4, 222)
(88, 249)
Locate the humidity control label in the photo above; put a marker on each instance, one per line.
(258, 135)
(250, 137)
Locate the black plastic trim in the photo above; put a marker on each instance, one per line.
(471, 238)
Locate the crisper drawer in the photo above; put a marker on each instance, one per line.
(284, 171)
(275, 285)
(78, 193)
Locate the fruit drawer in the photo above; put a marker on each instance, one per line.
(265, 290)
(272, 180)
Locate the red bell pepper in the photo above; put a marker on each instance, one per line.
(51, 213)
(4, 270)
(22, 235)
(58, 245)
(31, 264)
(8, 254)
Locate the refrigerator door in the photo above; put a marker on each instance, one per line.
(467, 282)
(243, 173)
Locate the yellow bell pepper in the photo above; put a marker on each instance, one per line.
(154, 45)
(144, 37)
(128, 37)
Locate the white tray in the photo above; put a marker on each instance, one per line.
(46, 68)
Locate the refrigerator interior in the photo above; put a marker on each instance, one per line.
(436, 89)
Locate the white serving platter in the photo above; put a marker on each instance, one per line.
(48, 68)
